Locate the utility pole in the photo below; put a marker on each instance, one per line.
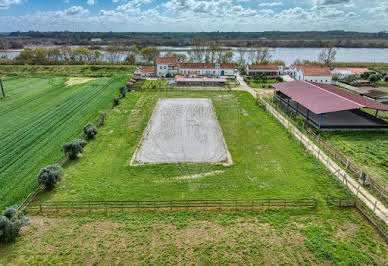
(2, 88)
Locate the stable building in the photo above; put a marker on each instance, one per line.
(202, 81)
(169, 66)
(312, 73)
(346, 72)
(327, 107)
(268, 70)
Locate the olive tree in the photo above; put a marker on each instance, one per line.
(50, 176)
(90, 130)
(116, 101)
(373, 78)
(74, 148)
(123, 91)
(10, 224)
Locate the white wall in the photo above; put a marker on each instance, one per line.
(320, 79)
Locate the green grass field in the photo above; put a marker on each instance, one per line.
(272, 237)
(37, 116)
(267, 163)
(154, 84)
(368, 149)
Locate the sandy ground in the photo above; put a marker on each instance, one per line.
(182, 130)
(77, 81)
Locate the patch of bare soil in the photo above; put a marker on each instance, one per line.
(77, 81)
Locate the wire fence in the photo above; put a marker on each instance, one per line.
(339, 174)
(173, 204)
(367, 179)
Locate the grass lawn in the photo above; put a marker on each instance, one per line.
(267, 163)
(154, 84)
(257, 84)
(38, 115)
(368, 149)
(272, 237)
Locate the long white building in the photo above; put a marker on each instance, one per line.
(169, 66)
(312, 73)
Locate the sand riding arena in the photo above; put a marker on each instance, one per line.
(182, 130)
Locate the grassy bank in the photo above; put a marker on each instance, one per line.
(38, 115)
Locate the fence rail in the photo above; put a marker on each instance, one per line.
(352, 202)
(365, 178)
(172, 204)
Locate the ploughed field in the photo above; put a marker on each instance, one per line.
(267, 163)
(37, 116)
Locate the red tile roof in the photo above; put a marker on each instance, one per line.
(263, 67)
(354, 70)
(166, 60)
(323, 98)
(314, 70)
(205, 66)
(147, 69)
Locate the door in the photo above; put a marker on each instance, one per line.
(222, 73)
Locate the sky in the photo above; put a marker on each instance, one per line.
(193, 15)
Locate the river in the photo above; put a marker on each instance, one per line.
(290, 55)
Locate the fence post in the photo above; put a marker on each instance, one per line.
(40, 207)
(358, 190)
(374, 207)
(347, 163)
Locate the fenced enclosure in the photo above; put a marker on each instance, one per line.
(340, 175)
(217, 204)
(351, 202)
(365, 178)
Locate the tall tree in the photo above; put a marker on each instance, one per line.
(327, 56)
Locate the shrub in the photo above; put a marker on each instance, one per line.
(50, 176)
(116, 101)
(386, 78)
(90, 130)
(101, 118)
(279, 78)
(373, 78)
(365, 75)
(10, 224)
(123, 91)
(74, 148)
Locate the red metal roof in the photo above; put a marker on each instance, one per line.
(323, 98)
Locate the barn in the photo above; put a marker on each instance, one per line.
(327, 107)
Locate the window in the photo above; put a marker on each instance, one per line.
(165, 67)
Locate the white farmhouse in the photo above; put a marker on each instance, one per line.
(312, 73)
(166, 65)
(145, 71)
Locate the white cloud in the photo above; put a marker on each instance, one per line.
(90, 2)
(270, 4)
(5, 4)
(72, 11)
